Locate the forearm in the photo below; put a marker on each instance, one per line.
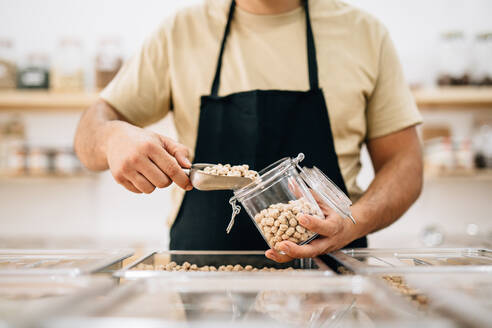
(91, 134)
(397, 185)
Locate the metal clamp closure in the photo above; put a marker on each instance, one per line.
(235, 211)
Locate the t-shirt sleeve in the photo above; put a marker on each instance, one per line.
(141, 90)
(391, 106)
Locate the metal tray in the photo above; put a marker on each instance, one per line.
(25, 300)
(59, 262)
(216, 258)
(380, 261)
(464, 296)
(249, 301)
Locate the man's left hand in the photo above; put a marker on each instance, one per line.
(334, 232)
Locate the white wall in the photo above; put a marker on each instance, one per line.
(98, 207)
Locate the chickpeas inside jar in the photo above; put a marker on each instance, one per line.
(280, 222)
(276, 202)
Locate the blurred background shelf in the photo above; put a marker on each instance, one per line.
(454, 97)
(45, 100)
(45, 176)
(427, 98)
(473, 175)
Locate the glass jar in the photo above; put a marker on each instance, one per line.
(65, 162)
(34, 72)
(108, 62)
(283, 192)
(454, 59)
(68, 67)
(482, 59)
(8, 69)
(38, 162)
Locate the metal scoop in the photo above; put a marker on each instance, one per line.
(207, 182)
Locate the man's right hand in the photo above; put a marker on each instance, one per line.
(142, 160)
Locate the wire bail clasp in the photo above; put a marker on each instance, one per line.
(235, 211)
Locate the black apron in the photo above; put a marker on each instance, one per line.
(257, 128)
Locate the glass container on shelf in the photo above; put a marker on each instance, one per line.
(483, 59)
(34, 72)
(12, 146)
(38, 161)
(65, 162)
(68, 66)
(8, 68)
(454, 61)
(108, 62)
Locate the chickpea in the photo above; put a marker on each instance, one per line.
(234, 171)
(283, 227)
(300, 229)
(290, 231)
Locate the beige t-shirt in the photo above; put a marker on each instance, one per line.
(359, 72)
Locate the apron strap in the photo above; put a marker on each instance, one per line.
(311, 51)
(215, 84)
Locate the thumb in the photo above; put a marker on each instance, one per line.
(177, 150)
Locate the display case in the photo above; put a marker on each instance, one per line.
(382, 261)
(60, 262)
(156, 263)
(463, 296)
(25, 300)
(269, 301)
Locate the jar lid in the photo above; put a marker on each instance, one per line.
(327, 191)
(267, 175)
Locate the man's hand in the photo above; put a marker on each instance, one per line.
(142, 160)
(335, 232)
(397, 160)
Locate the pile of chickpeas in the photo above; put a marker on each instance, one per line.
(232, 171)
(186, 266)
(398, 283)
(280, 222)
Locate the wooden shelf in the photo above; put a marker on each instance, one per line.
(454, 98)
(475, 175)
(436, 98)
(53, 176)
(45, 100)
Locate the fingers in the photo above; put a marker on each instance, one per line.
(295, 251)
(141, 183)
(277, 257)
(169, 165)
(129, 186)
(327, 227)
(154, 174)
(178, 151)
(292, 251)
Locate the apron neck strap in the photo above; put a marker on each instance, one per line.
(311, 51)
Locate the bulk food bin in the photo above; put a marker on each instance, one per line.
(466, 297)
(154, 264)
(269, 301)
(26, 300)
(283, 192)
(387, 261)
(60, 262)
